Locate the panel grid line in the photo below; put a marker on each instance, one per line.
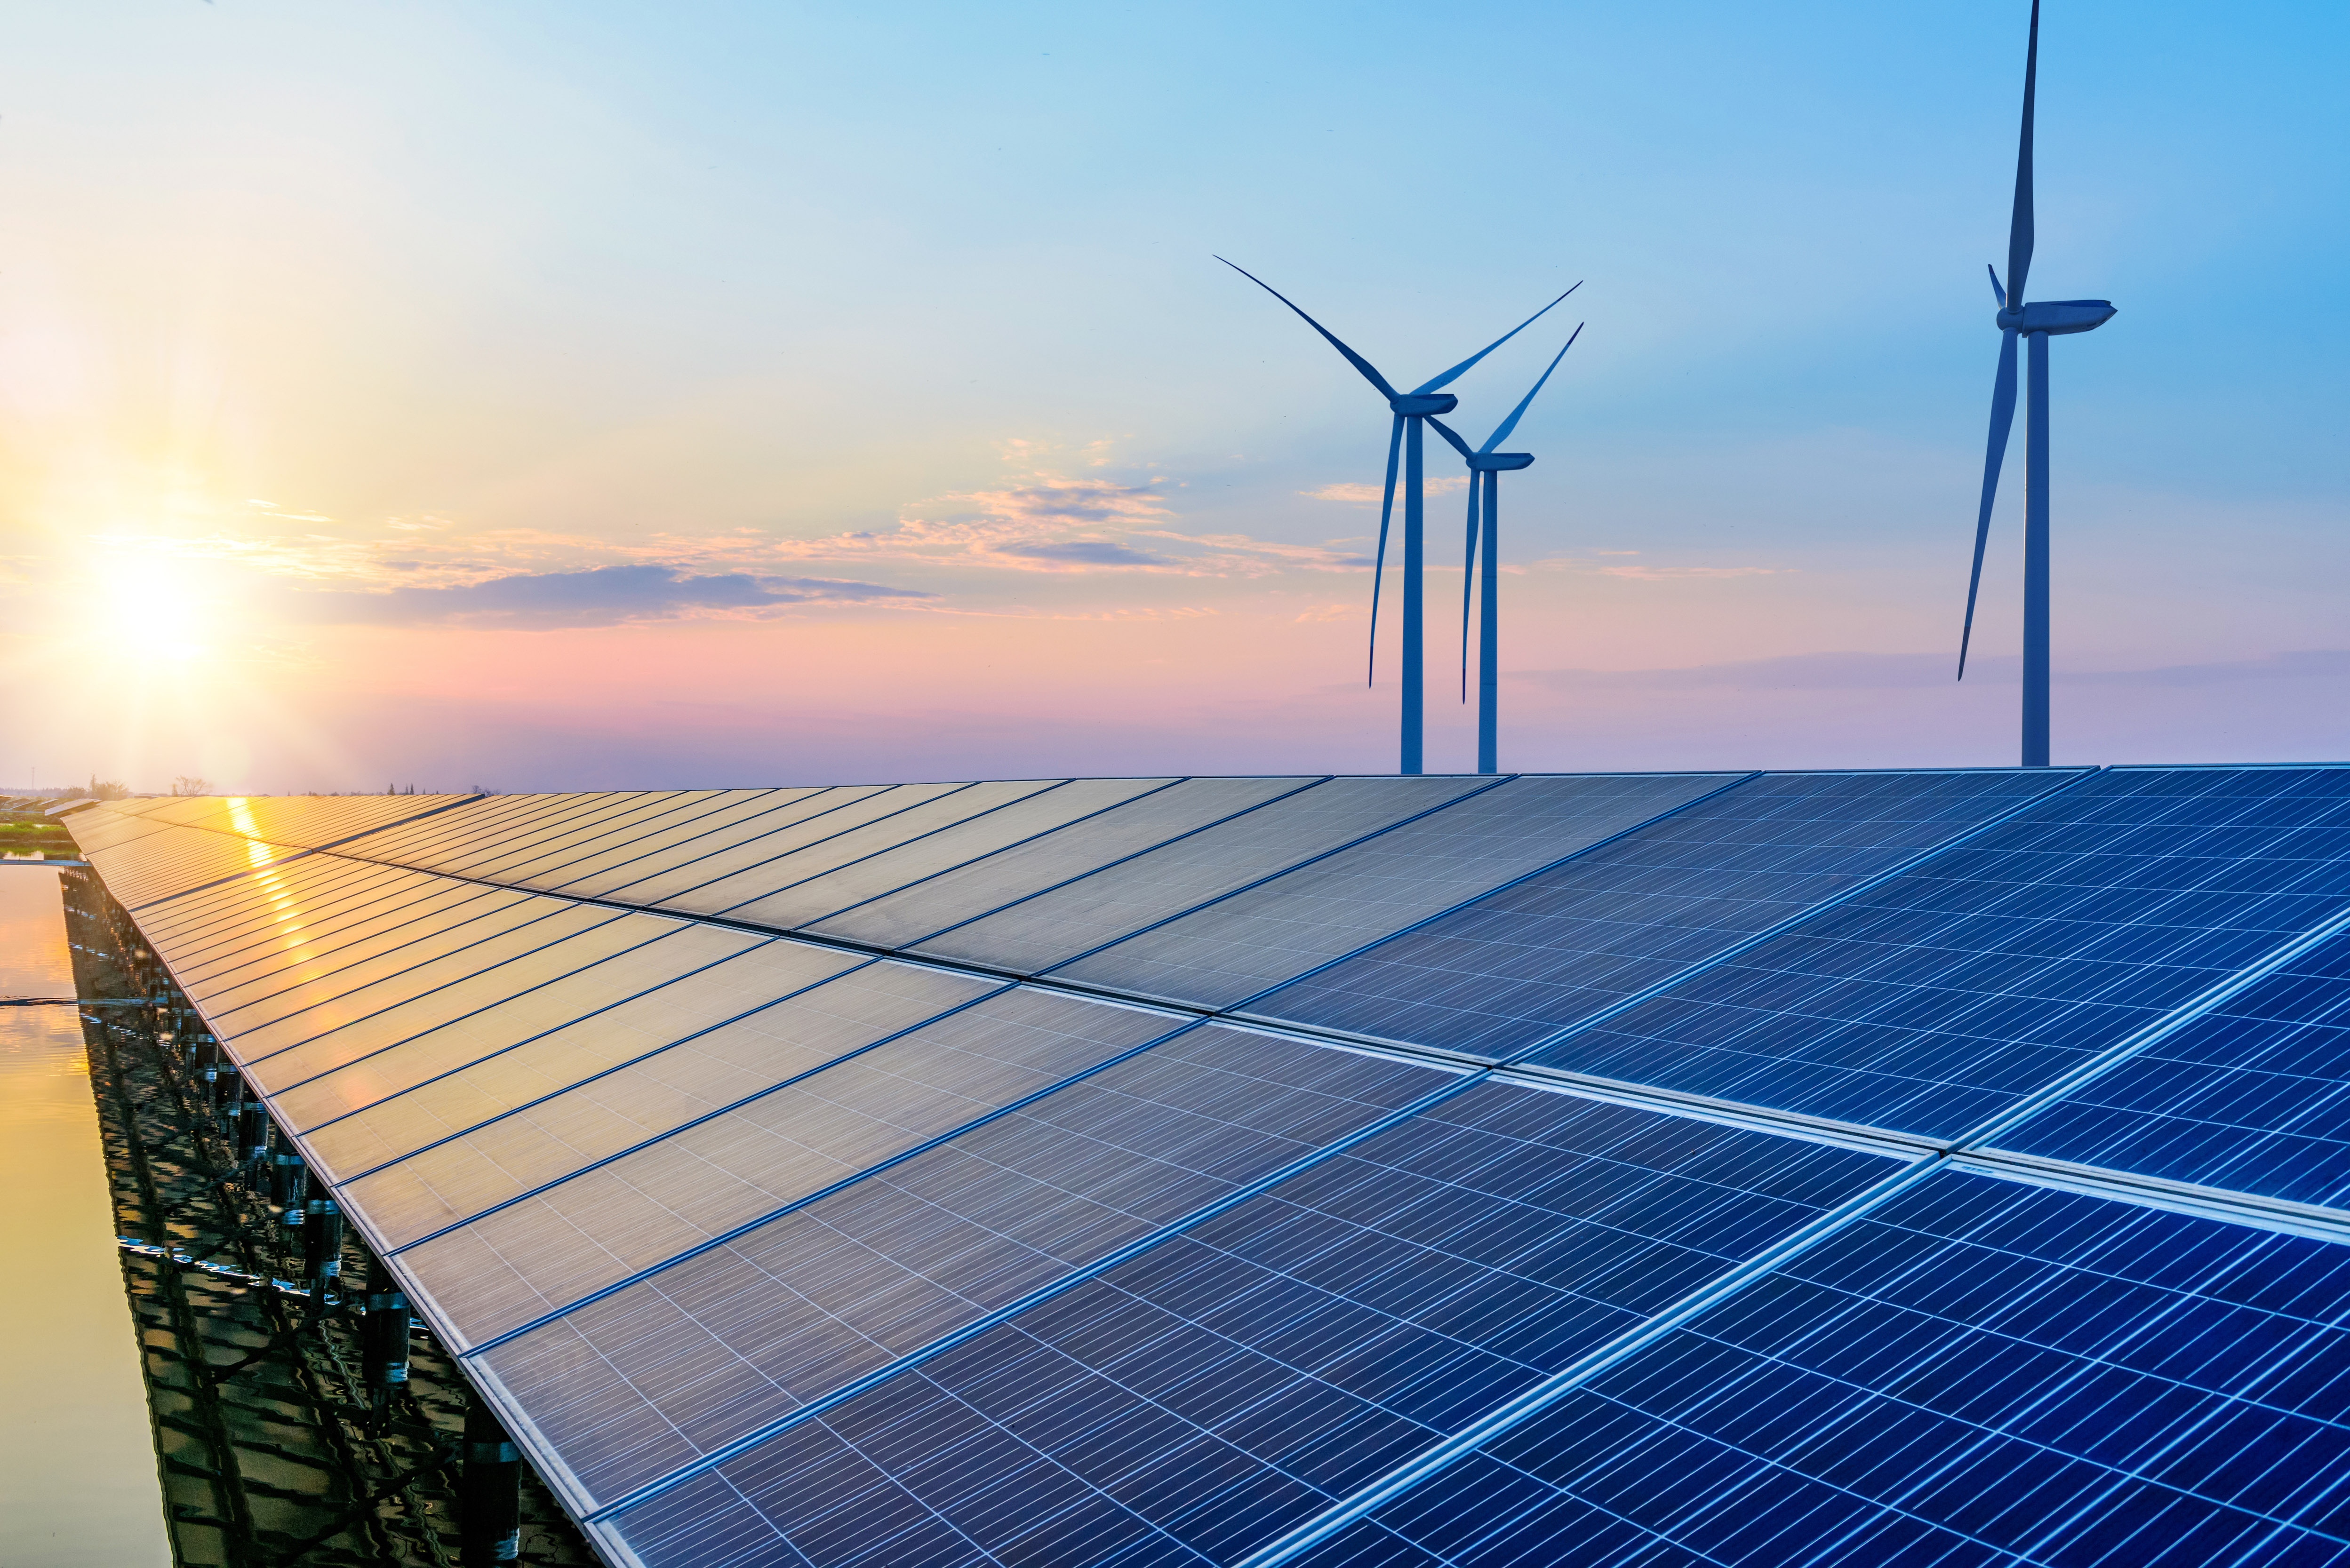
(1068, 1281)
(1747, 944)
(592, 1077)
(1296, 865)
(1503, 1416)
(1240, 1007)
(1120, 861)
(708, 1115)
(747, 1226)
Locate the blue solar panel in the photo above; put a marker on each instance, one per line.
(702, 1353)
(1246, 944)
(1516, 967)
(2254, 1096)
(1941, 996)
(1223, 1385)
(1978, 1372)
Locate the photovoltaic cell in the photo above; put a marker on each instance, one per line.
(1941, 996)
(1199, 1399)
(699, 1355)
(776, 807)
(619, 1110)
(600, 1227)
(694, 812)
(1233, 949)
(307, 1011)
(618, 867)
(942, 850)
(1033, 935)
(586, 825)
(2254, 1096)
(279, 908)
(965, 894)
(657, 957)
(345, 1032)
(310, 947)
(678, 879)
(481, 1093)
(243, 1000)
(1504, 972)
(1980, 1373)
(414, 843)
(743, 895)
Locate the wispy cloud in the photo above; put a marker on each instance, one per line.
(1863, 671)
(602, 596)
(1368, 494)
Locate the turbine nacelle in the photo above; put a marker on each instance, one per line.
(2057, 316)
(1500, 461)
(1412, 405)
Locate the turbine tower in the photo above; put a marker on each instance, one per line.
(1409, 409)
(1486, 467)
(2035, 322)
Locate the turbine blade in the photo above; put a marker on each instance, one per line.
(1379, 562)
(1449, 434)
(1501, 431)
(1356, 360)
(1469, 577)
(2019, 228)
(1441, 382)
(2003, 416)
(1996, 292)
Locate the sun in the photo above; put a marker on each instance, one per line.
(143, 615)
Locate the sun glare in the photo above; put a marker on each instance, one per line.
(144, 616)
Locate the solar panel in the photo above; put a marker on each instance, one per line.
(573, 833)
(307, 1011)
(1507, 971)
(699, 1355)
(241, 1002)
(944, 850)
(1218, 1389)
(655, 959)
(1233, 949)
(534, 1070)
(1978, 1372)
(1941, 996)
(454, 843)
(259, 908)
(767, 1250)
(509, 1155)
(318, 941)
(2254, 1096)
(675, 881)
(300, 1047)
(600, 1228)
(731, 810)
(1074, 918)
(552, 864)
(660, 853)
(742, 895)
(179, 860)
(903, 917)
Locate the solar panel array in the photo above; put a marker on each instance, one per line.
(1746, 1168)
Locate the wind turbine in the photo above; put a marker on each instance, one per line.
(1486, 467)
(1409, 408)
(2035, 322)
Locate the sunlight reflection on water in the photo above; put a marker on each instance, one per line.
(78, 1480)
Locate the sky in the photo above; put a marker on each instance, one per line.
(591, 394)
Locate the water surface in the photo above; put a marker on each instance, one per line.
(78, 1479)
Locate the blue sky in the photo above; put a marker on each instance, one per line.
(461, 309)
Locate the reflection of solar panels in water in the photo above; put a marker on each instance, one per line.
(778, 1248)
